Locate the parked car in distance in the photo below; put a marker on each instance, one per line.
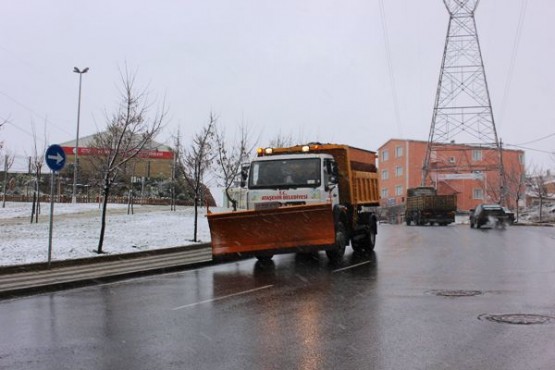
(510, 215)
(488, 214)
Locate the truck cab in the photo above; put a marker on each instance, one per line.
(292, 179)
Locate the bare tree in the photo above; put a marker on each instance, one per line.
(515, 182)
(8, 163)
(231, 155)
(282, 141)
(2, 123)
(130, 129)
(37, 161)
(195, 161)
(176, 168)
(537, 184)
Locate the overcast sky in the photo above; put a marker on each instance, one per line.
(315, 70)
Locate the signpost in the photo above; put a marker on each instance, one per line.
(55, 160)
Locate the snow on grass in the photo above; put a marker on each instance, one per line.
(76, 230)
(23, 210)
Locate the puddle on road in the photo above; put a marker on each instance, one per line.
(455, 293)
(517, 319)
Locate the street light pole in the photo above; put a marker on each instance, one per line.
(75, 163)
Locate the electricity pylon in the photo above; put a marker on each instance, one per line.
(463, 118)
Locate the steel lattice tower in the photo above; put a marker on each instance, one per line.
(462, 110)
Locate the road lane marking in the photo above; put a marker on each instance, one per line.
(223, 297)
(352, 266)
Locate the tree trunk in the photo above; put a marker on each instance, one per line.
(130, 201)
(5, 181)
(172, 201)
(37, 207)
(233, 201)
(196, 218)
(103, 218)
(33, 206)
(517, 208)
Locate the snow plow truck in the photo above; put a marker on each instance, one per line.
(301, 199)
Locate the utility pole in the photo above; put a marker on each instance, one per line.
(76, 163)
(462, 108)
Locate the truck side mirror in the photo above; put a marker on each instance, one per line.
(331, 169)
(334, 171)
(244, 176)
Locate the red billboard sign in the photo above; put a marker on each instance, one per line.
(146, 154)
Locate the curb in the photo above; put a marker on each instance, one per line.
(39, 266)
(35, 278)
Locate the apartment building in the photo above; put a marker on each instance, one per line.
(465, 171)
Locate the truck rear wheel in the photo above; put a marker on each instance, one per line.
(338, 251)
(264, 257)
(366, 243)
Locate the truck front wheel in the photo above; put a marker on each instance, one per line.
(338, 251)
(371, 239)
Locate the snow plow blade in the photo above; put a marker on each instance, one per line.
(278, 230)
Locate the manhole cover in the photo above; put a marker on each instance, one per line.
(517, 319)
(455, 293)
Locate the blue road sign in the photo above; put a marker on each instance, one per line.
(55, 157)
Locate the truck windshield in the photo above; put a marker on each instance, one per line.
(285, 173)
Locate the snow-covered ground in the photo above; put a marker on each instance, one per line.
(76, 229)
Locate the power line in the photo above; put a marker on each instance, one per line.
(536, 140)
(531, 149)
(390, 68)
(513, 57)
(34, 114)
(7, 121)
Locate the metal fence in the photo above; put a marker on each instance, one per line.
(95, 199)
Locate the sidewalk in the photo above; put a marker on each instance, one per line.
(34, 278)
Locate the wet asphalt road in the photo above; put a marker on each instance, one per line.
(428, 298)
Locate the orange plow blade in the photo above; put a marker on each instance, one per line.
(278, 230)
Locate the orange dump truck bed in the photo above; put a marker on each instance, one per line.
(358, 180)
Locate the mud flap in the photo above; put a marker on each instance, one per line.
(279, 230)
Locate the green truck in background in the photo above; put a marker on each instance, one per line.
(424, 206)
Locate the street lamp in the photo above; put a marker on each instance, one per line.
(75, 164)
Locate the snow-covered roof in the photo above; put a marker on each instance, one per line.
(86, 141)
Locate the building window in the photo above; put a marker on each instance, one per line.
(398, 151)
(476, 155)
(384, 193)
(399, 190)
(385, 175)
(385, 155)
(478, 193)
(398, 171)
(451, 159)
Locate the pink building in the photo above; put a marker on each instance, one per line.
(465, 170)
